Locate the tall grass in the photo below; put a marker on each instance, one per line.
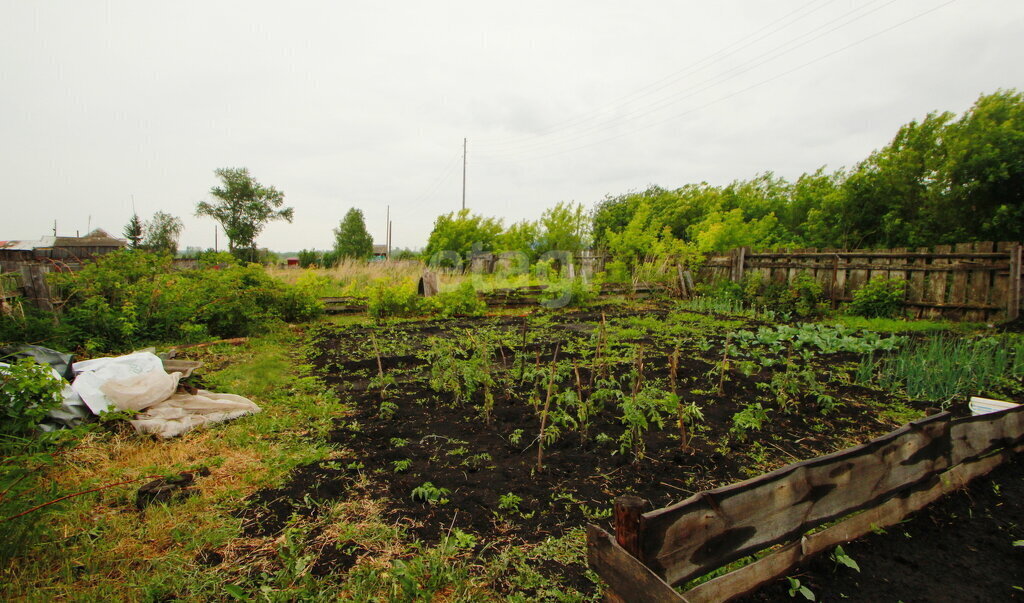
(356, 277)
(942, 369)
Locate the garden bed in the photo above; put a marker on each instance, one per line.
(444, 458)
(961, 547)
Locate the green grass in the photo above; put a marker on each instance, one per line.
(945, 369)
(894, 325)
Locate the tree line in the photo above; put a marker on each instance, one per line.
(943, 179)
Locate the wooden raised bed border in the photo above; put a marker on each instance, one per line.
(872, 485)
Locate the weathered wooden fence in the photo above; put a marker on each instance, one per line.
(884, 480)
(968, 281)
(28, 284)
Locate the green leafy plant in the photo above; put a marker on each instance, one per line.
(879, 298)
(841, 558)
(28, 391)
(752, 417)
(428, 492)
(796, 588)
(401, 466)
(509, 502)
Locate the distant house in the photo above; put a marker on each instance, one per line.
(60, 249)
(380, 252)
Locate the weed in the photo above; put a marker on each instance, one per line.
(752, 417)
(428, 492)
(401, 466)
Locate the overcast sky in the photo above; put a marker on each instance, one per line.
(365, 104)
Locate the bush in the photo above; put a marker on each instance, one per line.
(463, 301)
(128, 299)
(803, 297)
(879, 298)
(308, 257)
(28, 391)
(395, 301)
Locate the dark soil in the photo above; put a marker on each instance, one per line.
(486, 472)
(958, 549)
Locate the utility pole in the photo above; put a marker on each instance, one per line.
(387, 234)
(463, 173)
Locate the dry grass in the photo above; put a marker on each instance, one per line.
(355, 277)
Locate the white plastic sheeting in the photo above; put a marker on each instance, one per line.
(139, 382)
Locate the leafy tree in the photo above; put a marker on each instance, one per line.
(351, 240)
(564, 228)
(162, 232)
(463, 233)
(243, 208)
(523, 236)
(133, 232)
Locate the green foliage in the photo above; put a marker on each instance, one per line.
(28, 391)
(942, 179)
(243, 208)
(428, 492)
(879, 298)
(351, 239)
(161, 233)
(462, 301)
(133, 231)
(796, 588)
(461, 233)
(309, 258)
(387, 301)
(943, 368)
(752, 417)
(801, 297)
(130, 298)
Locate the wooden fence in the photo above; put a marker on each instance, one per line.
(884, 479)
(967, 281)
(27, 284)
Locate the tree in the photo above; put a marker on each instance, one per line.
(243, 208)
(351, 240)
(564, 228)
(133, 231)
(162, 233)
(462, 233)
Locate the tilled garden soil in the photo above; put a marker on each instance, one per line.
(960, 548)
(484, 471)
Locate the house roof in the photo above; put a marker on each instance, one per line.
(380, 249)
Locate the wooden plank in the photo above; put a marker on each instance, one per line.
(1014, 287)
(937, 282)
(857, 276)
(973, 437)
(749, 578)
(958, 267)
(885, 254)
(1001, 283)
(980, 285)
(716, 527)
(627, 578)
(958, 291)
(916, 287)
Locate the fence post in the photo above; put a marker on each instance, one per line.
(34, 282)
(1013, 293)
(628, 523)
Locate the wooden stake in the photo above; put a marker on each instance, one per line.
(628, 512)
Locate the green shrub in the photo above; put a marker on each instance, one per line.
(395, 301)
(879, 298)
(802, 297)
(28, 390)
(131, 298)
(308, 257)
(462, 301)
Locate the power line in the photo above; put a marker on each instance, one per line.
(740, 91)
(767, 57)
(756, 85)
(669, 79)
